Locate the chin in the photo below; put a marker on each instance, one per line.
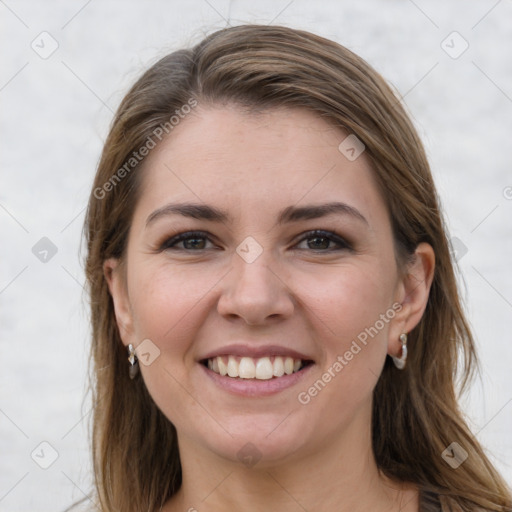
(260, 440)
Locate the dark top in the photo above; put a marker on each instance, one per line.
(429, 502)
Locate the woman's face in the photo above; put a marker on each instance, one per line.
(254, 287)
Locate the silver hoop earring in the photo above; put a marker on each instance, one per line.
(133, 369)
(400, 361)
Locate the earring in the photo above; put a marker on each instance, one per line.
(400, 361)
(133, 369)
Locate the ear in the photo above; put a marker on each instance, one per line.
(114, 272)
(412, 293)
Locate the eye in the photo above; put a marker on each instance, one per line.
(322, 239)
(197, 241)
(192, 241)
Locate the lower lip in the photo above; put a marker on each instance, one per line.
(256, 387)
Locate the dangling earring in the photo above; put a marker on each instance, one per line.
(400, 361)
(133, 369)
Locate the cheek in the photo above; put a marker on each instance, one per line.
(349, 300)
(167, 304)
(352, 310)
(165, 301)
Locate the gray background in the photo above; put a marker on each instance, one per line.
(55, 113)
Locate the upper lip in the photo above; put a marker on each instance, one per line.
(255, 352)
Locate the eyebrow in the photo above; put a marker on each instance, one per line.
(287, 215)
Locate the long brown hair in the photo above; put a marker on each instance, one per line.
(415, 412)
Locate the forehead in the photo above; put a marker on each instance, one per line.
(275, 157)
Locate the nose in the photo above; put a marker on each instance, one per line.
(255, 291)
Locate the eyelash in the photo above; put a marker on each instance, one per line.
(169, 243)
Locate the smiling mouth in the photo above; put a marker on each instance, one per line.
(262, 368)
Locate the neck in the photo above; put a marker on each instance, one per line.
(340, 475)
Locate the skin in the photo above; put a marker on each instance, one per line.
(188, 302)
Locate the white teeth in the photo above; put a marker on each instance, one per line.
(223, 369)
(278, 367)
(232, 367)
(288, 366)
(263, 368)
(246, 368)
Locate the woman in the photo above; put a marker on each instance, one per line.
(239, 363)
